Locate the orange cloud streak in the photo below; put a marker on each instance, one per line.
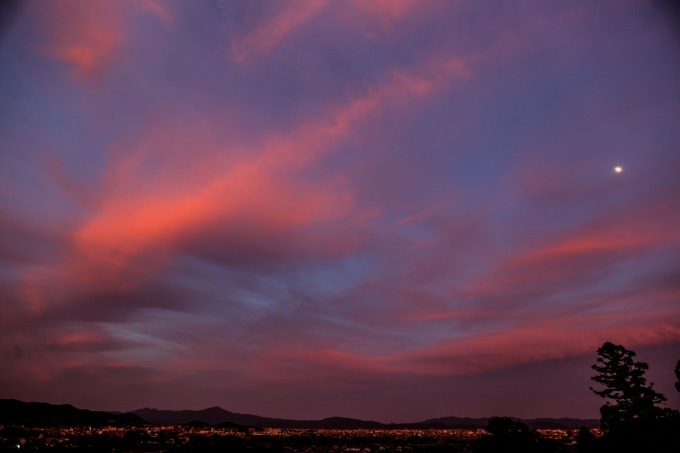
(560, 338)
(581, 251)
(258, 188)
(269, 34)
(87, 35)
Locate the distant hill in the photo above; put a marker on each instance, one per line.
(538, 423)
(217, 415)
(15, 412)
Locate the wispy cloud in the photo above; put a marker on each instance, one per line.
(268, 34)
(88, 35)
(337, 202)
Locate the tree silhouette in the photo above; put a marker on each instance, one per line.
(513, 436)
(586, 442)
(677, 376)
(625, 388)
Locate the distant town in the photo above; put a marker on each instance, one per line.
(47, 427)
(159, 438)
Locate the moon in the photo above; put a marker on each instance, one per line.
(618, 169)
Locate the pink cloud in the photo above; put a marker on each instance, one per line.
(86, 341)
(88, 35)
(251, 195)
(559, 338)
(271, 32)
(268, 34)
(389, 9)
(581, 252)
(550, 339)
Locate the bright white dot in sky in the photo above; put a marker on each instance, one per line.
(618, 169)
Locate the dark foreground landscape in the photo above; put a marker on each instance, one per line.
(41, 426)
(46, 427)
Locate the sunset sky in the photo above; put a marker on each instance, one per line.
(389, 210)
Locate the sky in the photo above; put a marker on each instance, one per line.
(389, 210)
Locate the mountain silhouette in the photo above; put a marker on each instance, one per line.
(15, 412)
(44, 414)
(216, 415)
